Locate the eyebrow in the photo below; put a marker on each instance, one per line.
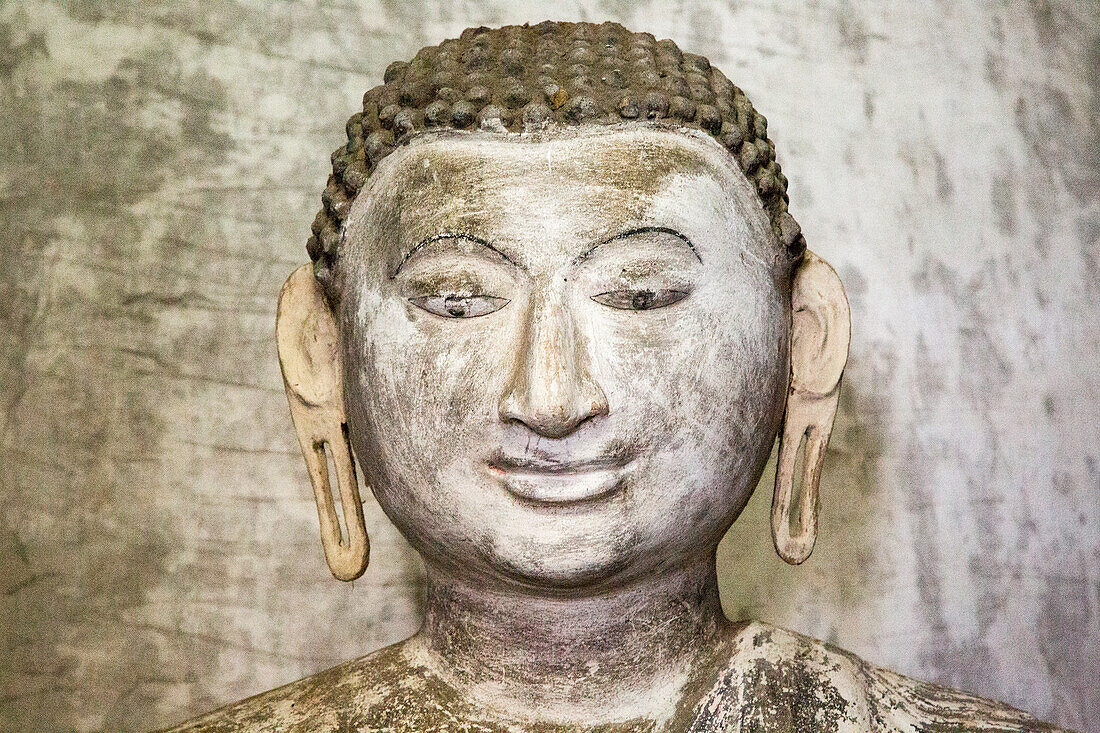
(449, 235)
(638, 230)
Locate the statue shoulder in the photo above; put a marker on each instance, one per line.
(903, 703)
(771, 679)
(336, 699)
(780, 680)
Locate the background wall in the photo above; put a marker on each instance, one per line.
(160, 164)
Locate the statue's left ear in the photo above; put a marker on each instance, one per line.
(309, 354)
(821, 328)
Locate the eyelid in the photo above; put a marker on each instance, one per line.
(427, 241)
(466, 282)
(635, 232)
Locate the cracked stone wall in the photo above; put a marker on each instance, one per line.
(160, 164)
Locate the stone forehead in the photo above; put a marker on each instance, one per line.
(628, 173)
(634, 156)
(535, 80)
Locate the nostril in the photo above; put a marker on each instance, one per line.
(598, 406)
(555, 426)
(549, 422)
(560, 423)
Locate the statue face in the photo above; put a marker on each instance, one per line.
(564, 357)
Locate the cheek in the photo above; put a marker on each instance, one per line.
(419, 394)
(423, 391)
(707, 372)
(741, 386)
(703, 391)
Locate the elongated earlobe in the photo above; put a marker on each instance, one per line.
(821, 329)
(309, 355)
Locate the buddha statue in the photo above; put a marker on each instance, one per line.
(559, 313)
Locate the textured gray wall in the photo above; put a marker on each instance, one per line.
(160, 164)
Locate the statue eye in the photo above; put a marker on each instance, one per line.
(454, 305)
(640, 300)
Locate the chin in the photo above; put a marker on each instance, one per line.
(572, 554)
(568, 574)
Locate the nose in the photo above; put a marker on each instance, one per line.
(551, 389)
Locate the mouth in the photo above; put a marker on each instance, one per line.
(548, 479)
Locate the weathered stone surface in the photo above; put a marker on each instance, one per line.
(761, 679)
(160, 167)
(607, 66)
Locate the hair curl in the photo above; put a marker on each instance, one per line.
(525, 78)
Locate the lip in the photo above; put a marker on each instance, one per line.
(550, 479)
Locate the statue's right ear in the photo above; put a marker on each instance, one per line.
(821, 329)
(309, 355)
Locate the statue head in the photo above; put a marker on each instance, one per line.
(559, 312)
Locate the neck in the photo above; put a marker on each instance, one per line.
(622, 654)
